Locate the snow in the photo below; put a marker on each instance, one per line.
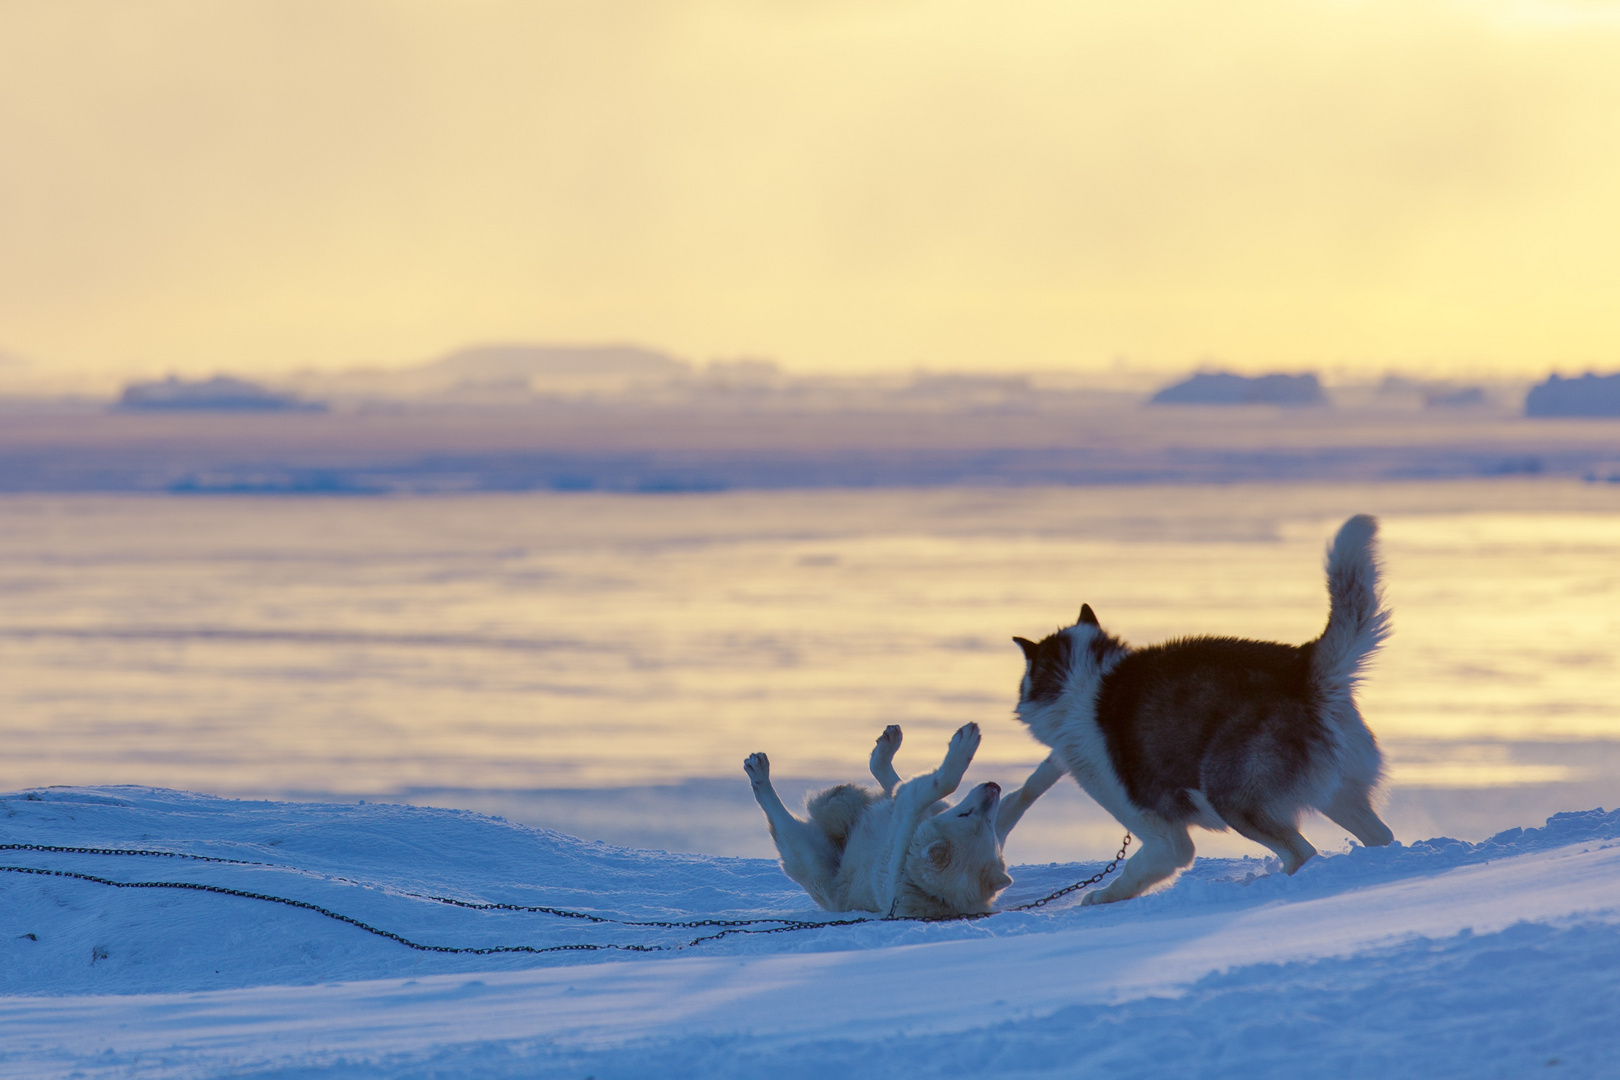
(1436, 958)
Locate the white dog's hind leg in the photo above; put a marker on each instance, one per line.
(808, 856)
(882, 760)
(1013, 806)
(1166, 848)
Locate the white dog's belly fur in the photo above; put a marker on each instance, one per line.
(901, 852)
(868, 871)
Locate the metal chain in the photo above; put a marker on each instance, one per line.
(731, 926)
(417, 896)
(735, 926)
(138, 851)
(1104, 872)
(330, 914)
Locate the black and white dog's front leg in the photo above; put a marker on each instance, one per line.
(1013, 806)
(882, 760)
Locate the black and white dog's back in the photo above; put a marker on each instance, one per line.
(1218, 732)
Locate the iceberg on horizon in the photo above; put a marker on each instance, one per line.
(222, 393)
(1589, 395)
(1224, 388)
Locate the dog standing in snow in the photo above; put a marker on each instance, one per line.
(901, 852)
(1218, 732)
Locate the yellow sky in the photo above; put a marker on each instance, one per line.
(871, 185)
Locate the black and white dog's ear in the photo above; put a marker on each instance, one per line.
(1029, 647)
(1087, 616)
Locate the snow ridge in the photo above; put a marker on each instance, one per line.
(1510, 947)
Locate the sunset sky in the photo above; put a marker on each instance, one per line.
(1352, 185)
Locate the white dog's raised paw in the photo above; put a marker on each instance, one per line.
(966, 740)
(758, 768)
(890, 737)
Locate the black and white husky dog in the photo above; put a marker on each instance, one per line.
(1218, 732)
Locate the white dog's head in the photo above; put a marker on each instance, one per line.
(954, 865)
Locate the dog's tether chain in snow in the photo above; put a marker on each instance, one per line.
(730, 926)
(1092, 880)
(532, 908)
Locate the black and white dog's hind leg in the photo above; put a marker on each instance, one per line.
(808, 854)
(1272, 831)
(1360, 769)
(882, 760)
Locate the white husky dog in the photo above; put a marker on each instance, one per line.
(901, 852)
(1218, 732)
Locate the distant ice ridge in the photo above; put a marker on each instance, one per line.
(603, 449)
(505, 418)
(516, 368)
(221, 393)
(1224, 388)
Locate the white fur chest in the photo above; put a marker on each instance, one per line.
(1069, 726)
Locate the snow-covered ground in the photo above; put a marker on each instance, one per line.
(1436, 958)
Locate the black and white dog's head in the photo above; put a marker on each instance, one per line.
(1072, 660)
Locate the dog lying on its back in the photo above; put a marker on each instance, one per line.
(1215, 731)
(901, 851)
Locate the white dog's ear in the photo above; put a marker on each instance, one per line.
(938, 854)
(1087, 616)
(1029, 647)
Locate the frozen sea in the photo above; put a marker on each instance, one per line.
(601, 663)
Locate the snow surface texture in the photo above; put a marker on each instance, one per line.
(1438, 958)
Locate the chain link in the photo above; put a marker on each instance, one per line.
(139, 851)
(1092, 880)
(729, 926)
(533, 908)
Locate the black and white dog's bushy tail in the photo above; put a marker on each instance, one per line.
(1358, 621)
